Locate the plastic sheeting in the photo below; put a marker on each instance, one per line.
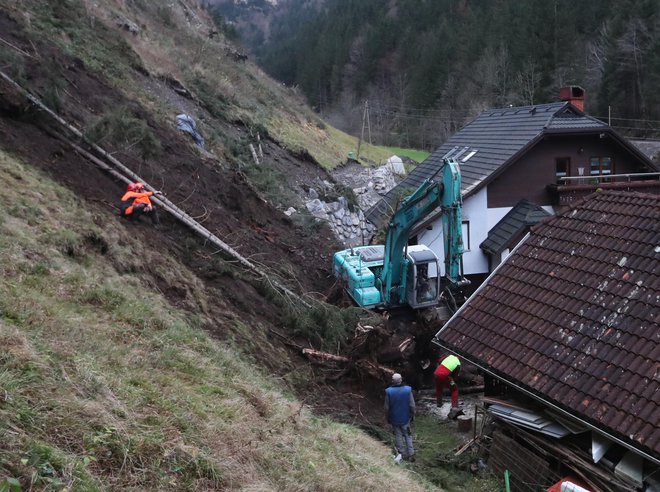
(186, 124)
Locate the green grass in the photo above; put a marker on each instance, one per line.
(105, 386)
(434, 444)
(69, 24)
(416, 155)
(369, 154)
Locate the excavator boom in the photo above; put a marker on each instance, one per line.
(397, 274)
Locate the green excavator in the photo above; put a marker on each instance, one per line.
(397, 274)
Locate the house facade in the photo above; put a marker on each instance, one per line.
(548, 154)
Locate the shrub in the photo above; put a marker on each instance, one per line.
(308, 223)
(121, 128)
(340, 190)
(270, 183)
(214, 102)
(166, 15)
(325, 326)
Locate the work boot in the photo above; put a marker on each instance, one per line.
(454, 413)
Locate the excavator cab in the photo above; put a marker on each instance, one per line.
(422, 277)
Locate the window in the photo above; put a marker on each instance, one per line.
(467, 157)
(460, 153)
(562, 168)
(465, 229)
(450, 153)
(602, 166)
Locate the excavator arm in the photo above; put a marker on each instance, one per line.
(452, 222)
(413, 209)
(396, 274)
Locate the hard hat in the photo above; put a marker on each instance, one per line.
(132, 186)
(396, 378)
(139, 186)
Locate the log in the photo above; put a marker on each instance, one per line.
(375, 370)
(364, 365)
(465, 446)
(160, 200)
(324, 356)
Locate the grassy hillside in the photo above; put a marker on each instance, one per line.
(105, 386)
(176, 45)
(142, 358)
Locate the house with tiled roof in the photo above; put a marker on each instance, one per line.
(548, 154)
(567, 333)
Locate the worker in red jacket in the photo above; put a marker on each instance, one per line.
(447, 370)
(136, 202)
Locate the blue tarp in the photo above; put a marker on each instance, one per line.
(187, 124)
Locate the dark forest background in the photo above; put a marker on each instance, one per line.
(412, 72)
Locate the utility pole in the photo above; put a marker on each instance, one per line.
(365, 121)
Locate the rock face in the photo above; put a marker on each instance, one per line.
(346, 221)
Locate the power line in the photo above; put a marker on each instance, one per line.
(628, 119)
(393, 110)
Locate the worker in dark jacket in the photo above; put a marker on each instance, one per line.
(136, 202)
(445, 374)
(400, 412)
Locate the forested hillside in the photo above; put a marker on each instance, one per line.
(426, 67)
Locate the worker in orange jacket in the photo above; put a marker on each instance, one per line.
(136, 202)
(448, 368)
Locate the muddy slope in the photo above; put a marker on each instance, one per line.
(213, 191)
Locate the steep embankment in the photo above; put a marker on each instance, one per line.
(137, 358)
(105, 384)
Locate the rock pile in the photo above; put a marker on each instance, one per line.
(348, 222)
(349, 225)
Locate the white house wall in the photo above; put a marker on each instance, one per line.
(481, 219)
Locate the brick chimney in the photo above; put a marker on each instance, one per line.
(574, 94)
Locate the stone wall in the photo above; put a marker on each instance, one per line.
(347, 222)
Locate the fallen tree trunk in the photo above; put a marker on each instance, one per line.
(324, 356)
(372, 368)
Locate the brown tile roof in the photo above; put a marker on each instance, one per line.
(573, 316)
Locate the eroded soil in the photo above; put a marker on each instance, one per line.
(206, 188)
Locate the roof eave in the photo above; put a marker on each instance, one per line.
(547, 402)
